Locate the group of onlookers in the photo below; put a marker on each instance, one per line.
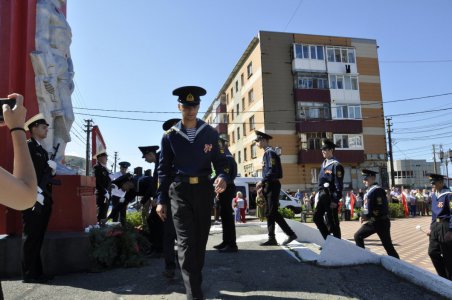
(419, 202)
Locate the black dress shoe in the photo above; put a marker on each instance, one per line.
(169, 273)
(39, 279)
(220, 246)
(290, 239)
(270, 242)
(229, 249)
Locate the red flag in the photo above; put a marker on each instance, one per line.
(352, 204)
(97, 142)
(405, 204)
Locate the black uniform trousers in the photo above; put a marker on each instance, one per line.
(102, 204)
(227, 218)
(382, 227)
(35, 221)
(439, 250)
(114, 214)
(323, 206)
(169, 237)
(156, 230)
(191, 206)
(271, 194)
(118, 210)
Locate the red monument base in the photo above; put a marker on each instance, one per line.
(74, 207)
(74, 203)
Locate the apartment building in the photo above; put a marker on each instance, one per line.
(412, 173)
(301, 88)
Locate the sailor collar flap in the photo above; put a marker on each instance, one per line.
(326, 163)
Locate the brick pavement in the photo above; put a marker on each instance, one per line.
(410, 243)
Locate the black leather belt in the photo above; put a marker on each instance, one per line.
(439, 220)
(192, 179)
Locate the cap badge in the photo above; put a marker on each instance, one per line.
(190, 98)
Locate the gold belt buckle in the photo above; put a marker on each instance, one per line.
(193, 180)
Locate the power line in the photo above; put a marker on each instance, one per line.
(293, 15)
(415, 61)
(254, 111)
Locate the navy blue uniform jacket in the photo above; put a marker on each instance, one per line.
(272, 169)
(179, 157)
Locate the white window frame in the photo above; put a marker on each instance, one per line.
(343, 57)
(351, 141)
(315, 175)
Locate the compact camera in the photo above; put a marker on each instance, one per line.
(10, 102)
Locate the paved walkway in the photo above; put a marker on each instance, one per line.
(410, 243)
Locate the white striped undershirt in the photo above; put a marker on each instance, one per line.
(191, 133)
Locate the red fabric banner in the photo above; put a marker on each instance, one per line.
(405, 205)
(97, 142)
(352, 204)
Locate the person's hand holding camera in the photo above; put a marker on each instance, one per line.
(14, 116)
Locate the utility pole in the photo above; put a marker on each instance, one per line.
(391, 161)
(434, 159)
(116, 159)
(88, 131)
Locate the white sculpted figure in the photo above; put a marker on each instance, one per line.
(54, 74)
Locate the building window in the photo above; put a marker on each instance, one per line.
(314, 139)
(236, 85)
(309, 52)
(314, 175)
(244, 129)
(253, 150)
(347, 82)
(238, 133)
(252, 123)
(243, 104)
(249, 69)
(242, 80)
(233, 137)
(349, 141)
(238, 109)
(304, 82)
(240, 157)
(339, 54)
(232, 115)
(245, 158)
(232, 93)
(346, 112)
(313, 110)
(250, 96)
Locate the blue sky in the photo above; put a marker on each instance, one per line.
(130, 55)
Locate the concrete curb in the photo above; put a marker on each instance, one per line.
(418, 276)
(336, 252)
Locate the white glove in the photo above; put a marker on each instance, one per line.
(326, 184)
(53, 165)
(40, 197)
(107, 195)
(122, 199)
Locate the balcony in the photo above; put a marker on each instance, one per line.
(312, 95)
(221, 127)
(344, 156)
(334, 126)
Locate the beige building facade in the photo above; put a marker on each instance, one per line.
(300, 88)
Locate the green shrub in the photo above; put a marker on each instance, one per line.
(396, 210)
(133, 219)
(286, 213)
(356, 214)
